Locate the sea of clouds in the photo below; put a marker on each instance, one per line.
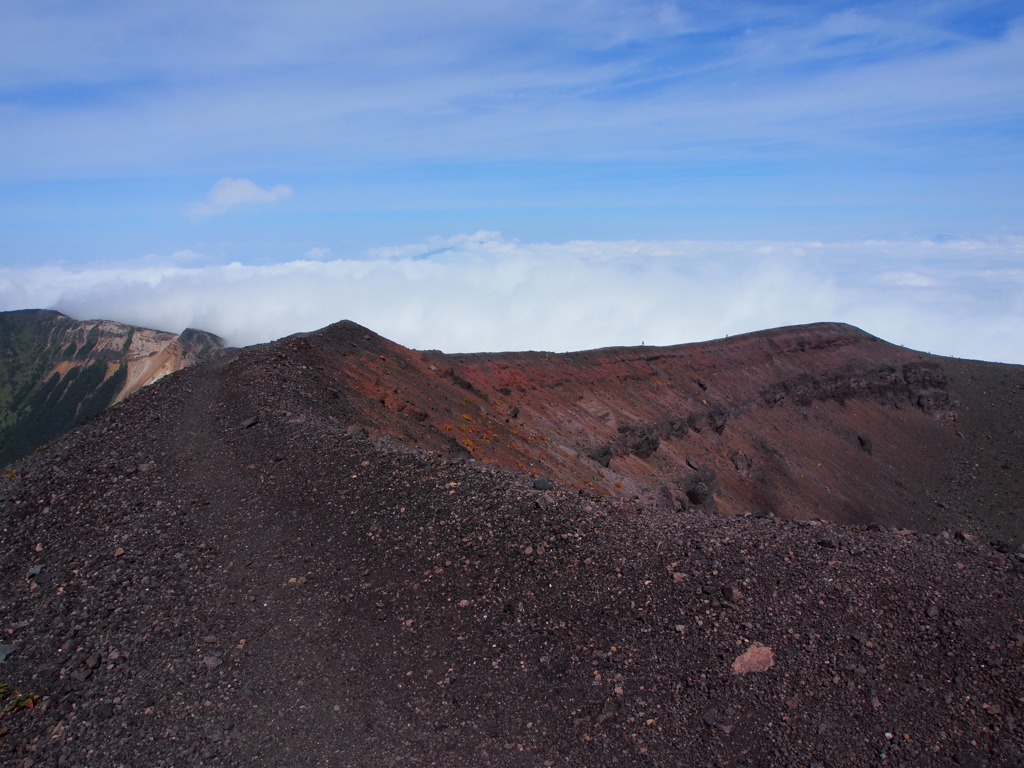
(482, 292)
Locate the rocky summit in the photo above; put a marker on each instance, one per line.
(294, 556)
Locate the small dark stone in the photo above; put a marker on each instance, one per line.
(250, 422)
(741, 462)
(676, 427)
(602, 454)
(828, 542)
(665, 498)
(105, 710)
(865, 443)
(962, 758)
(718, 417)
(932, 612)
(357, 432)
(692, 464)
(699, 493)
(93, 661)
(638, 439)
(46, 578)
(7, 650)
(543, 484)
(700, 486)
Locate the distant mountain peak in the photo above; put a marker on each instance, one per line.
(56, 371)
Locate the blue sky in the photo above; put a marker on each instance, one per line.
(189, 136)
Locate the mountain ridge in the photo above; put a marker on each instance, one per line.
(821, 420)
(226, 569)
(56, 371)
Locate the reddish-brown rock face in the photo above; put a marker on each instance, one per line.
(819, 421)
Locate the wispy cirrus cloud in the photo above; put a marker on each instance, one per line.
(231, 193)
(303, 83)
(908, 279)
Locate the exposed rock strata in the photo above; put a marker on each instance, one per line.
(226, 569)
(55, 371)
(777, 415)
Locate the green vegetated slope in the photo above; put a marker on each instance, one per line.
(37, 403)
(55, 371)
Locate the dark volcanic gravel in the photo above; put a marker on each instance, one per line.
(183, 591)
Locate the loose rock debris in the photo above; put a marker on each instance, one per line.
(467, 628)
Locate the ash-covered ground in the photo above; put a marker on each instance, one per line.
(220, 572)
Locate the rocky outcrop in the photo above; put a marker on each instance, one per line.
(714, 418)
(700, 486)
(55, 371)
(923, 385)
(640, 440)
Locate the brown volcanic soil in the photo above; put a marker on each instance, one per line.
(984, 480)
(774, 416)
(283, 594)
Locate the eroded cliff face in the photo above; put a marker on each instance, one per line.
(55, 371)
(819, 421)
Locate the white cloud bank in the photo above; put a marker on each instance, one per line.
(229, 193)
(482, 292)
